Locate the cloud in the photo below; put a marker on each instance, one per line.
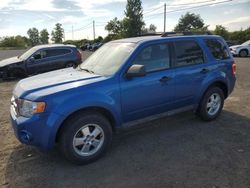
(238, 22)
(66, 4)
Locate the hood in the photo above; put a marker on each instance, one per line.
(61, 79)
(236, 46)
(9, 61)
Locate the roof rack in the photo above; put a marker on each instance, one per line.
(151, 34)
(169, 34)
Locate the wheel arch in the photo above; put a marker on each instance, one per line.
(221, 84)
(244, 49)
(103, 111)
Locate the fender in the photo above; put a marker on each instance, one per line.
(208, 81)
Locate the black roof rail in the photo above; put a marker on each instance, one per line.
(169, 34)
(151, 34)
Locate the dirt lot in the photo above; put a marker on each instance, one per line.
(177, 151)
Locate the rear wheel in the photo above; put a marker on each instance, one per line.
(243, 53)
(85, 138)
(211, 105)
(70, 64)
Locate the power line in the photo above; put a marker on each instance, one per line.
(185, 4)
(187, 8)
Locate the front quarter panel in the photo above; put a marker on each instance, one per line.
(102, 94)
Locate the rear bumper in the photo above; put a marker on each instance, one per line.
(39, 130)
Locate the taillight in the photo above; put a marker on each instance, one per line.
(234, 69)
(79, 55)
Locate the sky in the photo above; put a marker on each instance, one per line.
(17, 16)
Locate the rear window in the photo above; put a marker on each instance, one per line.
(188, 52)
(217, 48)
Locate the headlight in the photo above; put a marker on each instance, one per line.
(28, 108)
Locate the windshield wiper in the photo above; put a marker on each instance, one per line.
(87, 70)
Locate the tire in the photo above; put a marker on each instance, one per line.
(211, 104)
(69, 64)
(243, 53)
(79, 131)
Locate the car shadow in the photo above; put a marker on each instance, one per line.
(177, 151)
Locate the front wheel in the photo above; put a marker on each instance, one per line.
(211, 104)
(85, 138)
(243, 53)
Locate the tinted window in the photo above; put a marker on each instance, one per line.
(154, 57)
(56, 52)
(217, 48)
(188, 53)
(39, 55)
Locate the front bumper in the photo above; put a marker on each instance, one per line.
(234, 52)
(39, 130)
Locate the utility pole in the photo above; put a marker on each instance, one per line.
(164, 17)
(94, 29)
(72, 32)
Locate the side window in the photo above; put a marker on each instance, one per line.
(154, 57)
(217, 48)
(56, 52)
(39, 55)
(188, 53)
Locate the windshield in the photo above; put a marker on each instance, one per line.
(108, 59)
(28, 53)
(246, 43)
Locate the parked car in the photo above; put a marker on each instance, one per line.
(39, 59)
(242, 50)
(84, 47)
(124, 82)
(95, 46)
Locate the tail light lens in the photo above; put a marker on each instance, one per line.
(79, 55)
(234, 69)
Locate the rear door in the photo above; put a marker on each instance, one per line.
(191, 69)
(153, 93)
(57, 57)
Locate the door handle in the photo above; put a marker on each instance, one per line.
(165, 79)
(204, 71)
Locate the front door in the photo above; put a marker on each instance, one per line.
(153, 93)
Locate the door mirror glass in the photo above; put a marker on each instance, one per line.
(136, 71)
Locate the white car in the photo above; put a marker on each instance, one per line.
(242, 50)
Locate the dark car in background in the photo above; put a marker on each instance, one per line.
(39, 59)
(95, 46)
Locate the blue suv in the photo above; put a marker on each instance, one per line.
(124, 81)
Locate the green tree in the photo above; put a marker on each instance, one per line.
(152, 29)
(17, 41)
(58, 33)
(222, 31)
(114, 26)
(33, 34)
(191, 22)
(133, 22)
(44, 36)
(98, 39)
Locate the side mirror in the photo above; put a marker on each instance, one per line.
(136, 71)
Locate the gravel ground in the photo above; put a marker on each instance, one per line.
(177, 151)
